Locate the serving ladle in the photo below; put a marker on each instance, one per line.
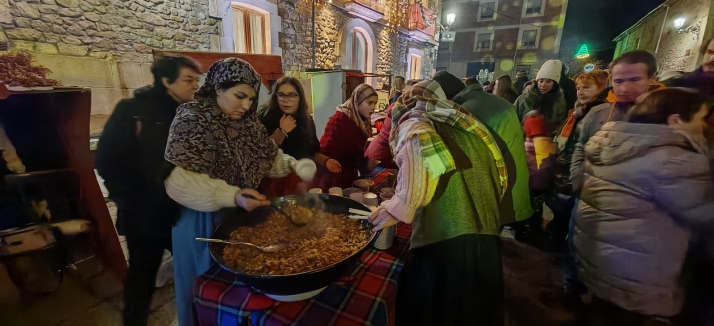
(281, 211)
(270, 248)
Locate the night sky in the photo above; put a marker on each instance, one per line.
(597, 22)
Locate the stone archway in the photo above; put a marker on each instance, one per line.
(360, 29)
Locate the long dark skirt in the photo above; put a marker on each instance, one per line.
(454, 282)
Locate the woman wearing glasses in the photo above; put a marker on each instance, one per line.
(286, 119)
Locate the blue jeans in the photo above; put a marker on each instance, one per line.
(191, 258)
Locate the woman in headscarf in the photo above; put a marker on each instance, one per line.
(221, 152)
(345, 139)
(378, 149)
(397, 89)
(451, 180)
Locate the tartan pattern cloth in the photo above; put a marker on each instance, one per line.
(366, 297)
(414, 114)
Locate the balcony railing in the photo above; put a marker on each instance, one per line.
(417, 24)
(370, 10)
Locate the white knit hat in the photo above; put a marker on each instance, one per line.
(550, 70)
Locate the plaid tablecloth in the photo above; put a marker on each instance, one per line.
(366, 297)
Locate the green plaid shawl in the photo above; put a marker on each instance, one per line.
(414, 115)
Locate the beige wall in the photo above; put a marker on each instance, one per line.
(110, 80)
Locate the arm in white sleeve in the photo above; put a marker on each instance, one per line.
(415, 185)
(282, 165)
(200, 192)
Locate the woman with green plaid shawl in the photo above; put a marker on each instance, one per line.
(451, 180)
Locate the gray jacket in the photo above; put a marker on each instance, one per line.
(591, 124)
(645, 189)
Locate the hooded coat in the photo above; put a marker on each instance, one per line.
(646, 187)
(500, 115)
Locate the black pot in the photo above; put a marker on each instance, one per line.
(293, 283)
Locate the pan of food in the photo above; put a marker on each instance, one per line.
(323, 244)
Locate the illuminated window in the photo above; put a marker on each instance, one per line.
(250, 28)
(414, 66)
(357, 46)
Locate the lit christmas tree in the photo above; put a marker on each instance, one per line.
(583, 52)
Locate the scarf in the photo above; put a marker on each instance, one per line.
(204, 140)
(414, 115)
(574, 116)
(350, 107)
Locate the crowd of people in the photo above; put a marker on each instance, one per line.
(621, 160)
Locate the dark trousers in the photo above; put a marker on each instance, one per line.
(562, 207)
(604, 313)
(145, 257)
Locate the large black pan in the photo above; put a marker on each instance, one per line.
(293, 283)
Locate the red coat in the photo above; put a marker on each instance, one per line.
(343, 141)
(378, 149)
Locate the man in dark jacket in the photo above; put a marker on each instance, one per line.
(701, 79)
(699, 294)
(521, 80)
(567, 85)
(130, 158)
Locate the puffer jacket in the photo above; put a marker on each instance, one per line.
(646, 190)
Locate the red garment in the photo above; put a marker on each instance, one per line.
(536, 126)
(278, 187)
(343, 141)
(378, 149)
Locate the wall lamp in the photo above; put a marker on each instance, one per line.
(679, 24)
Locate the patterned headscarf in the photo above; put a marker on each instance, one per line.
(359, 95)
(414, 115)
(205, 140)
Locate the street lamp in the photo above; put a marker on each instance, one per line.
(450, 19)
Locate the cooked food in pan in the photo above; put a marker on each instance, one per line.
(325, 240)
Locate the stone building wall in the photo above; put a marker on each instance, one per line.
(677, 51)
(330, 22)
(103, 28)
(106, 44)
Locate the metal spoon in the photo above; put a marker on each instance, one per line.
(270, 248)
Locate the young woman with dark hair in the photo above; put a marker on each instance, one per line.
(545, 96)
(286, 119)
(289, 124)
